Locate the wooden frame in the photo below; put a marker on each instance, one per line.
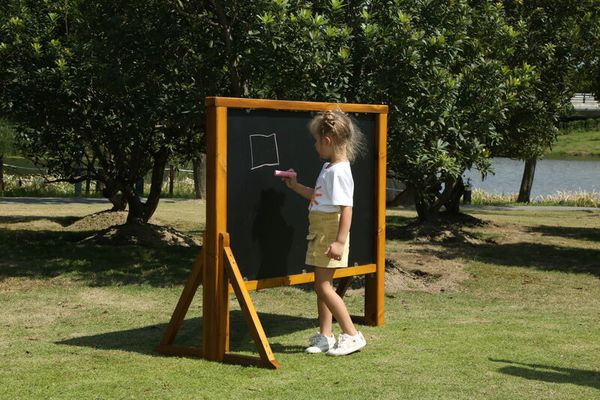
(217, 269)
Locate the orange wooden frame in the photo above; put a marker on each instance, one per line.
(216, 268)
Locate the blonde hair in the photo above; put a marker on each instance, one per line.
(342, 130)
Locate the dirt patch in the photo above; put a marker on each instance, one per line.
(149, 235)
(98, 221)
(423, 273)
(448, 228)
(416, 271)
(110, 228)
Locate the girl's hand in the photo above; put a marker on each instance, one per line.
(291, 182)
(335, 250)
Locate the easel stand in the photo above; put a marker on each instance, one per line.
(217, 330)
(217, 270)
(230, 270)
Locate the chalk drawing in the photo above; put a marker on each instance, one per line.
(266, 149)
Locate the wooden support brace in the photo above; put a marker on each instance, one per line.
(267, 359)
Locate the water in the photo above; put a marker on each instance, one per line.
(551, 176)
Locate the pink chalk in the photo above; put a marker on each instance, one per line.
(285, 174)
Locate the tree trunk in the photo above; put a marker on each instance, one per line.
(428, 208)
(1, 174)
(139, 212)
(117, 199)
(199, 167)
(171, 179)
(527, 181)
(139, 187)
(77, 185)
(452, 205)
(135, 213)
(77, 189)
(445, 196)
(423, 208)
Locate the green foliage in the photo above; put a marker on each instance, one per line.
(548, 52)
(102, 91)
(438, 66)
(121, 86)
(302, 53)
(580, 125)
(6, 138)
(588, 71)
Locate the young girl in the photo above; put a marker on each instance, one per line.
(338, 141)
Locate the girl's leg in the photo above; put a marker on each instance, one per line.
(332, 301)
(325, 318)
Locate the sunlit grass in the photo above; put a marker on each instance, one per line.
(583, 144)
(81, 321)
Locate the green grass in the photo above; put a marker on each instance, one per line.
(80, 321)
(576, 145)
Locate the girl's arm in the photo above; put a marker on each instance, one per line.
(345, 222)
(336, 249)
(302, 190)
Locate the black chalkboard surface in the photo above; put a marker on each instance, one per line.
(266, 221)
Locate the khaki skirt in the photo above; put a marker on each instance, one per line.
(322, 231)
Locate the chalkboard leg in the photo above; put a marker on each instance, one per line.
(374, 298)
(267, 359)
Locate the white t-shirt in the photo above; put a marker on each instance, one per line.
(334, 188)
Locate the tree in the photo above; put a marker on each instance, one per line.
(438, 66)
(549, 38)
(591, 50)
(115, 89)
(6, 145)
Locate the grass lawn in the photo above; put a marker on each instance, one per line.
(576, 145)
(81, 320)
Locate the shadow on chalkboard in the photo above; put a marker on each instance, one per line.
(273, 234)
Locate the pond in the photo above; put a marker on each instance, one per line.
(551, 176)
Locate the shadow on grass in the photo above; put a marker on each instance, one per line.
(590, 234)
(36, 199)
(15, 219)
(551, 374)
(409, 228)
(396, 227)
(525, 254)
(47, 254)
(143, 340)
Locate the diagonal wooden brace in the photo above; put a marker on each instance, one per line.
(267, 359)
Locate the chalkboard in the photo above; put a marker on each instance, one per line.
(266, 221)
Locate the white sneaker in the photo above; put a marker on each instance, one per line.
(347, 344)
(320, 343)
